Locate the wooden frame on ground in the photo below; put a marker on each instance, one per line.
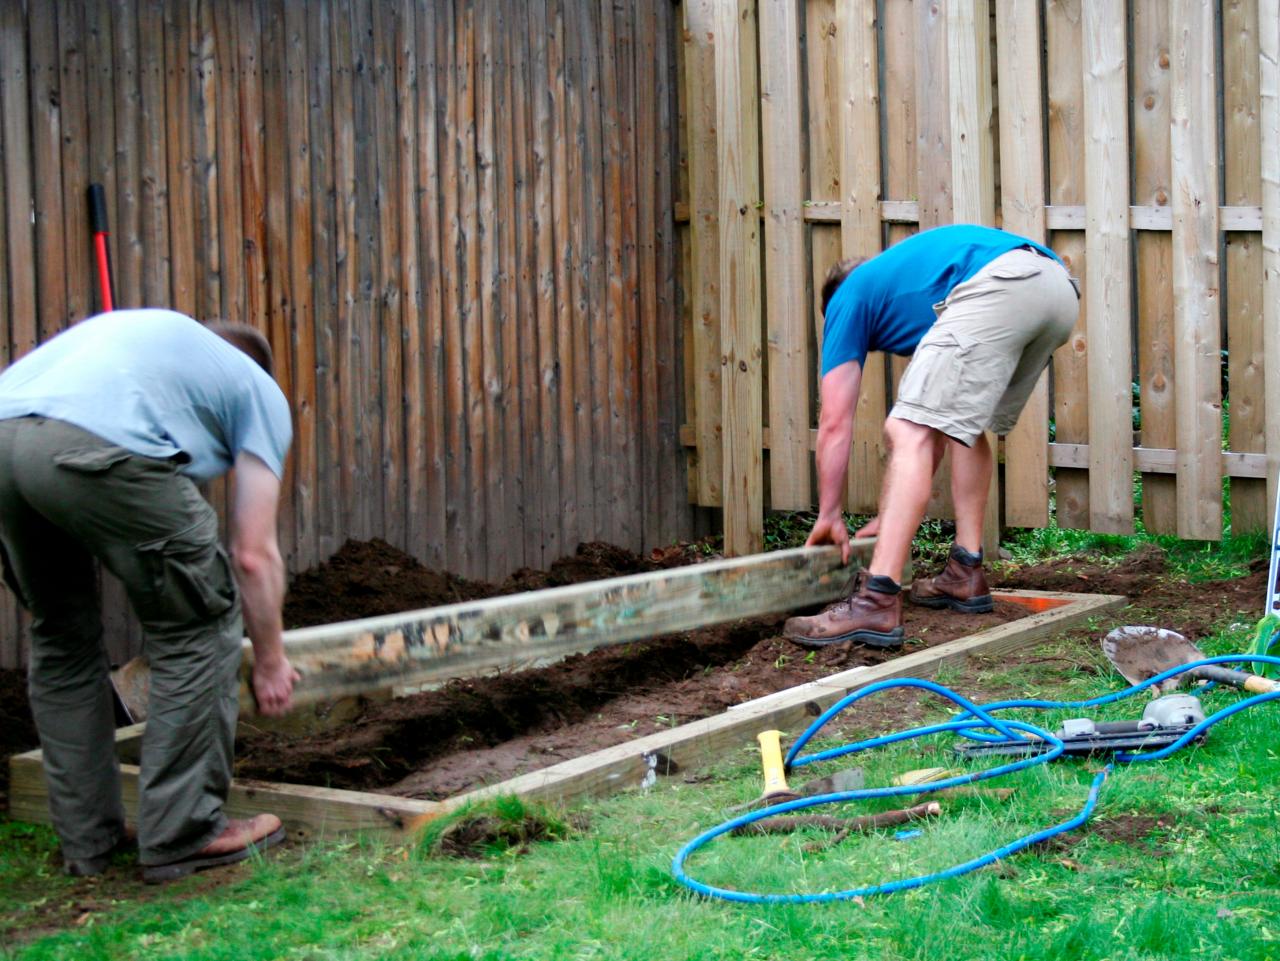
(311, 811)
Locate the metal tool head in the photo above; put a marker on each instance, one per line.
(1140, 653)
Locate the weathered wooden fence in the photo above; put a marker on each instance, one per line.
(453, 218)
(1139, 139)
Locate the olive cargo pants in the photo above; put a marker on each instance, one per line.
(66, 498)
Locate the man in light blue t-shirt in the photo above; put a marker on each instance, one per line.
(104, 431)
(981, 311)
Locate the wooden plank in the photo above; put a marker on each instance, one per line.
(740, 304)
(1164, 460)
(181, 175)
(46, 154)
(389, 393)
(1065, 77)
(206, 244)
(522, 524)
(349, 482)
(648, 88)
(1194, 142)
(228, 203)
(1269, 122)
(73, 104)
(302, 320)
(252, 169)
(308, 812)
(1107, 248)
(488, 325)
(99, 74)
(1242, 180)
(604, 184)
(973, 174)
(549, 465)
(857, 73)
(790, 470)
(700, 73)
(571, 445)
(430, 107)
(1019, 81)
(1150, 97)
(701, 742)
(17, 80)
(418, 647)
(321, 73)
(408, 209)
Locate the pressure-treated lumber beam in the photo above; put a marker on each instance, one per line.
(421, 647)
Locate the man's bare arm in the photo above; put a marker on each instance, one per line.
(259, 571)
(839, 396)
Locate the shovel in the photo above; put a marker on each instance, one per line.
(1140, 653)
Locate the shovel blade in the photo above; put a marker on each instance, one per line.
(1140, 653)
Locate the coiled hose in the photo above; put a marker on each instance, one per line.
(974, 722)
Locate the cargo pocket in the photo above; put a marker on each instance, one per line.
(91, 460)
(1015, 271)
(190, 573)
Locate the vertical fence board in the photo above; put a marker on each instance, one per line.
(973, 159)
(46, 137)
(1022, 195)
(1242, 178)
(790, 474)
(178, 132)
(1107, 250)
(738, 187)
(1269, 121)
(704, 292)
(126, 82)
(74, 163)
(1067, 186)
(17, 79)
(857, 79)
(1154, 275)
(99, 72)
(1194, 144)
(549, 377)
(206, 243)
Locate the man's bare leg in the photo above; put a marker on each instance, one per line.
(914, 452)
(970, 482)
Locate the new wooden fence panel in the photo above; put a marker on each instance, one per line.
(1154, 268)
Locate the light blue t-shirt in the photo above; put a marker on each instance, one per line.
(887, 303)
(159, 384)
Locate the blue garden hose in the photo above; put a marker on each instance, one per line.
(973, 722)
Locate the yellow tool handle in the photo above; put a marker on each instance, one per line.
(1260, 685)
(775, 779)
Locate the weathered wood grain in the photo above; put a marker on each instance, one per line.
(1269, 122)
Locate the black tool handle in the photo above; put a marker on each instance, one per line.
(97, 209)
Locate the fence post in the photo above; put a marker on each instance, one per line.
(1269, 120)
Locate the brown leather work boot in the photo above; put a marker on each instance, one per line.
(962, 585)
(868, 616)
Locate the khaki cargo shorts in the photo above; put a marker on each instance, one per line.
(975, 368)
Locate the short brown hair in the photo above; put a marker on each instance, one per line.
(246, 338)
(835, 277)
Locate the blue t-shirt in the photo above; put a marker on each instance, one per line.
(887, 303)
(159, 384)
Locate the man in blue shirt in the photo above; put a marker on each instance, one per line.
(104, 432)
(981, 311)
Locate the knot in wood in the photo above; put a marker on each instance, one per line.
(742, 366)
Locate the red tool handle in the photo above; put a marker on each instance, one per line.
(98, 222)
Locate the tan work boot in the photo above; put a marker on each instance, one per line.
(868, 616)
(962, 585)
(239, 840)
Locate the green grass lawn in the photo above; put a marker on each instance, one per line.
(1181, 860)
